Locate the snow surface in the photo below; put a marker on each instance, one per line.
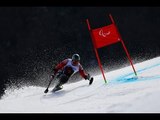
(124, 93)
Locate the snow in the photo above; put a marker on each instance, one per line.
(124, 93)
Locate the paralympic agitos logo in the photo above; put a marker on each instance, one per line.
(104, 34)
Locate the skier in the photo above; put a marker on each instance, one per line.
(67, 68)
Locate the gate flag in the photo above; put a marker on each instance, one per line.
(105, 36)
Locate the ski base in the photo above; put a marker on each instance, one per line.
(56, 89)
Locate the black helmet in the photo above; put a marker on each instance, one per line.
(75, 57)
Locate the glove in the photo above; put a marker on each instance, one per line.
(88, 77)
(54, 72)
(52, 76)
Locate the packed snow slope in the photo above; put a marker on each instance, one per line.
(124, 93)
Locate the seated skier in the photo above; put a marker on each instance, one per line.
(67, 68)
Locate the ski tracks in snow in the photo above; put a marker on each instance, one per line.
(71, 95)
